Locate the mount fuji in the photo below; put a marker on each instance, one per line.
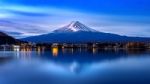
(76, 32)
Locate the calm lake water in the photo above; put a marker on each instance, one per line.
(75, 66)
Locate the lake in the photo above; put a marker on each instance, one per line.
(75, 66)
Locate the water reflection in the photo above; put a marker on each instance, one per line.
(74, 66)
(94, 50)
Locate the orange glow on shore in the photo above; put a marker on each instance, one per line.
(55, 51)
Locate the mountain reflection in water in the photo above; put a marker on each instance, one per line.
(74, 66)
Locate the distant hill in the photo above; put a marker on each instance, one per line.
(6, 39)
(77, 32)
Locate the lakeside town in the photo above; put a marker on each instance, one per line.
(106, 46)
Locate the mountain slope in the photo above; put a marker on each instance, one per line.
(76, 32)
(78, 37)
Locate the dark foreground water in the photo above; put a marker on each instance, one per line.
(75, 66)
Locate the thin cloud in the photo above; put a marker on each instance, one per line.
(29, 20)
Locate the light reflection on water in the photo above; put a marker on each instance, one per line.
(74, 66)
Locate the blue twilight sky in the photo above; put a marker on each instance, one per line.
(22, 18)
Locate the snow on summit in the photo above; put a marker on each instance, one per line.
(75, 26)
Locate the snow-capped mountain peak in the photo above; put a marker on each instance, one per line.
(71, 34)
(75, 26)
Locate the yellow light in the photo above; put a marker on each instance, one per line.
(55, 51)
(39, 50)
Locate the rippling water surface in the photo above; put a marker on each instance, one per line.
(75, 66)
